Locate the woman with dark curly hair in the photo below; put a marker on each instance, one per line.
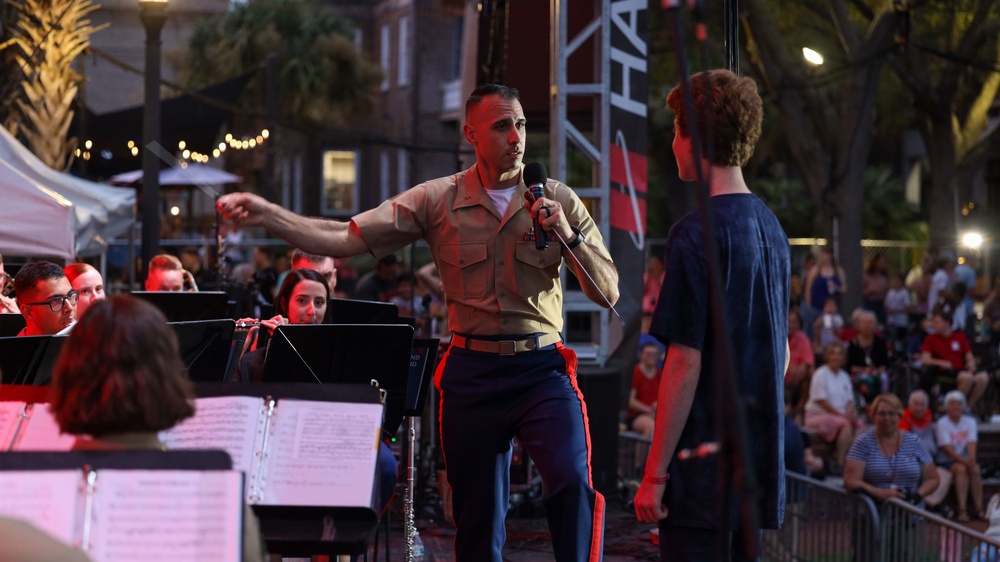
(120, 379)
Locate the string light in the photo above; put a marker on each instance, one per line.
(246, 142)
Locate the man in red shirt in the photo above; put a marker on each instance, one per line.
(949, 351)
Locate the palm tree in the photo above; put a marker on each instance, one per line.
(48, 36)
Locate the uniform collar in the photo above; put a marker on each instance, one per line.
(471, 190)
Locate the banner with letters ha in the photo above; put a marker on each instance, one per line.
(629, 150)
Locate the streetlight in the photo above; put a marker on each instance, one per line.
(972, 240)
(153, 14)
(812, 56)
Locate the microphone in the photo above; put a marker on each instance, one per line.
(534, 177)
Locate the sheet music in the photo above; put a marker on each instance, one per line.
(323, 453)
(49, 499)
(231, 423)
(10, 413)
(167, 515)
(42, 432)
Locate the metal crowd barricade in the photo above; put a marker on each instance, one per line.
(632, 452)
(912, 534)
(824, 522)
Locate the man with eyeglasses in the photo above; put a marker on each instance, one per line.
(46, 298)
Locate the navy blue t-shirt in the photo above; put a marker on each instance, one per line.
(755, 269)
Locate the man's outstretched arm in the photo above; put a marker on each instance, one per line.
(314, 235)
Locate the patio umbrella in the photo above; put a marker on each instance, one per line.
(190, 174)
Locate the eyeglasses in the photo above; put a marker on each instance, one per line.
(56, 302)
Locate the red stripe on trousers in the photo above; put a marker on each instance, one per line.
(598, 523)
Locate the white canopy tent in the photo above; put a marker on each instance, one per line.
(48, 213)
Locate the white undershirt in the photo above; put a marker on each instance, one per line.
(501, 197)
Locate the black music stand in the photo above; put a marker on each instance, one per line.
(11, 325)
(299, 530)
(345, 354)
(136, 460)
(207, 348)
(350, 311)
(187, 306)
(422, 364)
(29, 359)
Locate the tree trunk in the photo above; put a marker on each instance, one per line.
(940, 142)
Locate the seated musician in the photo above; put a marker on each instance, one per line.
(46, 299)
(302, 299)
(324, 265)
(87, 281)
(166, 274)
(120, 380)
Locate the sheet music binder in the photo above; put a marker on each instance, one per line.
(310, 452)
(30, 427)
(295, 530)
(130, 505)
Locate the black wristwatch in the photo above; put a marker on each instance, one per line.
(572, 244)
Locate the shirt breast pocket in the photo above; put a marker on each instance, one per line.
(528, 254)
(464, 272)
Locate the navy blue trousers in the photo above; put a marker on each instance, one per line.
(487, 400)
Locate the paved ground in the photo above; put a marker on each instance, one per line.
(528, 539)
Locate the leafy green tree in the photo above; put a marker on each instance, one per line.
(322, 78)
(950, 61)
(827, 113)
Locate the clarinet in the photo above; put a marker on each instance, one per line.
(410, 528)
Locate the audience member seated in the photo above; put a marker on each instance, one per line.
(265, 277)
(897, 308)
(801, 363)
(946, 352)
(957, 439)
(46, 299)
(868, 358)
(798, 457)
(120, 380)
(197, 275)
(165, 274)
(7, 303)
(301, 299)
(379, 281)
(645, 391)
(405, 298)
(886, 462)
(88, 282)
(917, 419)
(827, 327)
(830, 411)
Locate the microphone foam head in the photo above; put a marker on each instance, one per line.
(535, 174)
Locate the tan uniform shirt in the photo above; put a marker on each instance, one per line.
(495, 281)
